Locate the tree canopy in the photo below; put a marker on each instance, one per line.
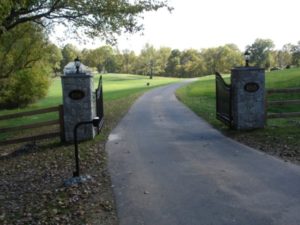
(103, 18)
(27, 61)
(260, 52)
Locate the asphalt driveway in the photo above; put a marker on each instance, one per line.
(169, 167)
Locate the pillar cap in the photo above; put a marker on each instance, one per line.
(70, 70)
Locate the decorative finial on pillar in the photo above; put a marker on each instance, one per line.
(77, 64)
(247, 58)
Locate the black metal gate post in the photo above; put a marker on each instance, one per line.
(95, 123)
(99, 104)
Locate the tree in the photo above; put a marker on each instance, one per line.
(261, 52)
(228, 56)
(173, 65)
(210, 57)
(55, 59)
(296, 54)
(101, 58)
(192, 63)
(69, 53)
(162, 56)
(129, 60)
(113, 63)
(25, 66)
(94, 17)
(146, 62)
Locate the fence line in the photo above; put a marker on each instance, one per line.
(60, 122)
(283, 102)
(29, 113)
(284, 91)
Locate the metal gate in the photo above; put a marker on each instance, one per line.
(99, 104)
(223, 100)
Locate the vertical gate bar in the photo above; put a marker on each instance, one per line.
(61, 123)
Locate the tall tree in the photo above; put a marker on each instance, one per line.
(210, 56)
(162, 56)
(261, 52)
(101, 58)
(129, 60)
(25, 65)
(55, 59)
(227, 57)
(69, 53)
(283, 57)
(173, 66)
(94, 17)
(296, 54)
(146, 63)
(192, 63)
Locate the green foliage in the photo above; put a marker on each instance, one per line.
(295, 49)
(101, 18)
(128, 62)
(284, 56)
(192, 63)
(152, 61)
(222, 59)
(146, 60)
(69, 53)
(173, 63)
(162, 56)
(24, 54)
(105, 59)
(261, 53)
(55, 58)
(26, 86)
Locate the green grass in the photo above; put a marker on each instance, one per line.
(278, 134)
(115, 86)
(284, 79)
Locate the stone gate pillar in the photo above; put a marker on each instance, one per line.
(248, 98)
(78, 101)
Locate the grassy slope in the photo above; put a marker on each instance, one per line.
(115, 86)
(280, 137)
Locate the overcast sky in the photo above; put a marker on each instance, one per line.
(210, 23)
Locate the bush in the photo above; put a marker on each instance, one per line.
(24, 87)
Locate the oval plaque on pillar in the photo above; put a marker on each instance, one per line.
(76, 94)
(251, 87)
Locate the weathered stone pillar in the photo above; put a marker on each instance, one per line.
(248, 98)
(78, 101)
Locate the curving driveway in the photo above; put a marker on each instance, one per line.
(169, 167)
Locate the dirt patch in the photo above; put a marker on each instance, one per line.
(281, 146)
(32, 177)
(32, 189)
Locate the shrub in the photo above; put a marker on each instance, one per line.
(24, 87)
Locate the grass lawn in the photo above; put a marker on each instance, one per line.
(115, 86)
(280, 137)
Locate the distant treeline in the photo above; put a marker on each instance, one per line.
(187, 63)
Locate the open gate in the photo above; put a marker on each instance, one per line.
(223, 100)
(99, 103)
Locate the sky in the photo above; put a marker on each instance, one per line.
(202, 24)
